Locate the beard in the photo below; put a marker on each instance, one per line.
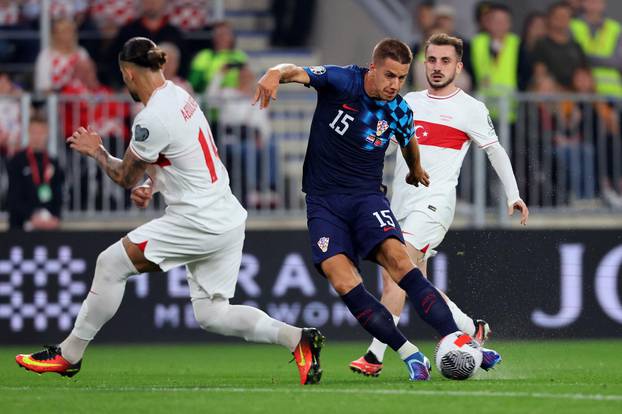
(439, 85)
(134, 96)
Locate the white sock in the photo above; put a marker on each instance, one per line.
(407, 350)
(462, 320)
(379, 348)
(252, 324)
(111, 272)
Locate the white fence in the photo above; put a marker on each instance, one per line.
(566, 151)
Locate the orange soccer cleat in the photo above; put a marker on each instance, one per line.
(307, 356)
(365, 367)
(48, 360)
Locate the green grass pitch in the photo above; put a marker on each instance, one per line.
(558, 377)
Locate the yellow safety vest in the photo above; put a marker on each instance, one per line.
(601, 45)
(496, 77)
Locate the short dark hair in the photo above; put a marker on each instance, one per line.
(500, 7)
(559, 5)
(142, 52)
(393, 49)
(443, 39)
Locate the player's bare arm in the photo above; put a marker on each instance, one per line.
(126, 172)
(270, 81)
(417, 174)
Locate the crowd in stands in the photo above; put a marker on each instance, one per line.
(570, 47)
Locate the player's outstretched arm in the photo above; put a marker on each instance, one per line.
(503, 167)
(125, 172)
(417, 175)
(270, 81)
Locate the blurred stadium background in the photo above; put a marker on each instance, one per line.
(556, 278)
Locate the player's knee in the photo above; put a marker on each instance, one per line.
(209, 313)
(398, 264)
(111, 265)
(343, 286)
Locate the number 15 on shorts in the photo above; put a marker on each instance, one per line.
(385, 218)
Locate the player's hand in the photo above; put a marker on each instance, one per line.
(85, 141)
(141, 195)
(419, 176)
(522, 207)
(267, 87)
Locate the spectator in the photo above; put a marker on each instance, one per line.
(482, 15)
(601, 40)
(224, 57)
(534, 29)
(88, 102)
(495, 58)
(425, 19)
(574, 132)
(16, 48)
(152, 23)
(245, 139)
(189, 15)
(35, 183)
(171, 66)
(557, 54)
(55, 65)
(10, 121)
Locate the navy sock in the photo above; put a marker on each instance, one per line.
(428, 302)
(373, 317)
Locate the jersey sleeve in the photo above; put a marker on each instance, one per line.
(405, 124)
(337, 79)
(480, 128)
(149, 138)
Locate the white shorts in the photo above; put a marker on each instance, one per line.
(212, 260)
(423, 232)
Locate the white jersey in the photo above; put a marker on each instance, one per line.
(171, 133)
(444, 128)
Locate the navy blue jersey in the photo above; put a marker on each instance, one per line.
(350, 133)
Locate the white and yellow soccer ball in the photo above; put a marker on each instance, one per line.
(458, 356)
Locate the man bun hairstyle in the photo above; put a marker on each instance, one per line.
(443, 39)
(392, 49)
(143, 52)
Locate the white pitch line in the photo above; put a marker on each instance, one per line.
(360, 391)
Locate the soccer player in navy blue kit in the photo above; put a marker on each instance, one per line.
(358, 112)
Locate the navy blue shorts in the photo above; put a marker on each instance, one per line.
(353, 225)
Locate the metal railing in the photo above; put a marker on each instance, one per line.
(566, 151)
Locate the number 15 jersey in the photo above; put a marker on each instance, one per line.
(350, 133)
(172, 133)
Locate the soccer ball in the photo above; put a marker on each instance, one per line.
(458, 356)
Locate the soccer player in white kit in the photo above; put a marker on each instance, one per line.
(202, 228)
(447, 120)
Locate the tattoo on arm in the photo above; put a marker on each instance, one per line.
(126, 172)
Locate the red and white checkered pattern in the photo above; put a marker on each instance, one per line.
(189, 14)
(9, 15)
(120, 12)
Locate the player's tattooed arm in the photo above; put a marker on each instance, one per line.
(416, 175)
(270, 81)
(126, 172)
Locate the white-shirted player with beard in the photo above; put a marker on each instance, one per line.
(447, 120)
(202, 228)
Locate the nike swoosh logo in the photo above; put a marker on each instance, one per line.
(349, 108)
(28, 360)
(302, 362)
(388, 229)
